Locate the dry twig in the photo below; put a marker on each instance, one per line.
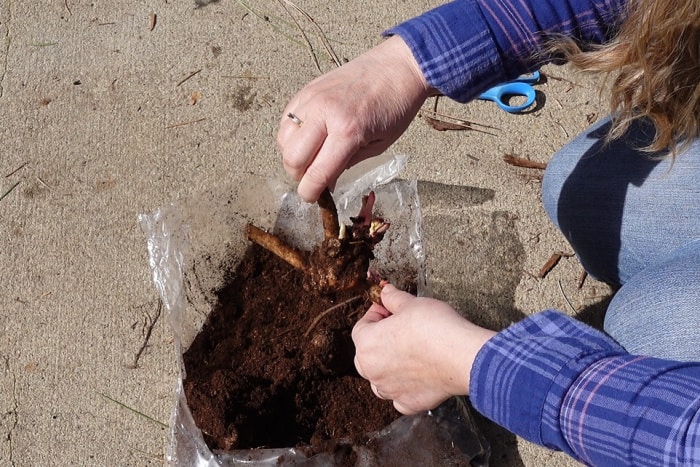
(551, 262)
(518, 161)
(179, 124)
(147, 337)
(581, 279)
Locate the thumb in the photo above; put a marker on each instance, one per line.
(375, 314)
(395, 300)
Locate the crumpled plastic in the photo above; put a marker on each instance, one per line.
(193, 244)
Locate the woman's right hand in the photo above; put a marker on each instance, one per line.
(349, 114)
(416, 351)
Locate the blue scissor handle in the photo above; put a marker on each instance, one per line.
(519, 87)
(499, 93)
(531, 78)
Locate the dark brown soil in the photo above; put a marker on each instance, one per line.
(261, 374)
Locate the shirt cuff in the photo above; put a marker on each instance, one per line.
(454, 49)
(520, 377)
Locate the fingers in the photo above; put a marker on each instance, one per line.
(349, 114)
(395, 300)
(314, 155)
(375, 314)
(404, 409)
(299, 143)
(398, 405)
(377, 392)
(327, 165)
(358, 367)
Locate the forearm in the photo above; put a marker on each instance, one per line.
(466, 46)
(561, 384)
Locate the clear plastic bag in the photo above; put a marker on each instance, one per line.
(193, 244)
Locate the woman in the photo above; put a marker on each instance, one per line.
(624, 193)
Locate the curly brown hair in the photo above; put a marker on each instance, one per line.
(654, 64)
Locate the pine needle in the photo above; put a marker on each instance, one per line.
(9, 191)
(132, 409)
(321, 35)
(568, 302)
(303, 35)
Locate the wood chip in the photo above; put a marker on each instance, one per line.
(152, 22)
(195, 97)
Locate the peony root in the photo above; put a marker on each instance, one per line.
(341, 262)
(329, 215)
(275, 245)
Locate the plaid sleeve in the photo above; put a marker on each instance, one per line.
(564, 385)
(466, 46)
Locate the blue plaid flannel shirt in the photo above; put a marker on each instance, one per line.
(467, 46)
(549, 378)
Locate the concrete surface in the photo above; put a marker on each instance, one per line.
(113, 108)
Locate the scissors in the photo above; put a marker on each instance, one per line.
(522, 86)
